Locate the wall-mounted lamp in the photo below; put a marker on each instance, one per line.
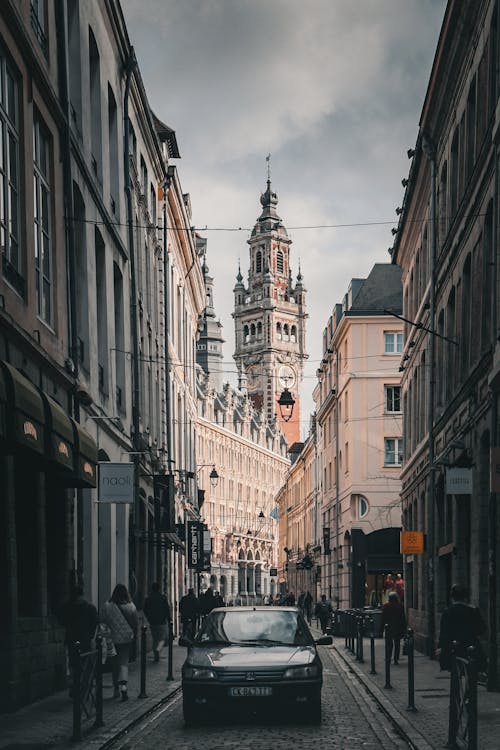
(286, 402)
(213, 476)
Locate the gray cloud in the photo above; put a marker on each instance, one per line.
(332, 88)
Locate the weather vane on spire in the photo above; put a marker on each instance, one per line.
(268, 159)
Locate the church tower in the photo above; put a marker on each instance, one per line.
(209, 352)
(269, 319)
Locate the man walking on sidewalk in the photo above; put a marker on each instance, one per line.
(460, 622)
(157, 612)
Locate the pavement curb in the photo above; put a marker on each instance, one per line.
(398, 720)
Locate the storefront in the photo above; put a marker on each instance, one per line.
(44, 455)
(376, 560)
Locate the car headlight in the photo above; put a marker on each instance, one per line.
(302, 673)
(198, 673)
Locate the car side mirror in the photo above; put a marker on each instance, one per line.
(326, 640)
(185, 641)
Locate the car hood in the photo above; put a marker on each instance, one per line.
(242, 657)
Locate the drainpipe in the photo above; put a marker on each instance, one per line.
(130, 68)
(337, 474)
(492, 681)
(429, 151)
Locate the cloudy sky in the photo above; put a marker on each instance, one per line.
(332, 89)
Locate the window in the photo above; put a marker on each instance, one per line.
(293, 334)
(363, 506)
(279, 261)
(258, 262)
(393, 342)
(39, 22)
(114, 187)
(393, 451)
(95, 106)
(278, 331)
(144, 178)
(9, 175)
(43, 220)
(392, 398)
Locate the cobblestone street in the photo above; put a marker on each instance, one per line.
(351, 720)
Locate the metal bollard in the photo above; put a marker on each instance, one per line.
(472, 670)
(361, 632)
(98, 684)
(388, 649)
(77, 675)
(352, 630)
(410, 644)
(170, 636)
(454, 697)
(143, 693)
(346, 626)
(372, 646)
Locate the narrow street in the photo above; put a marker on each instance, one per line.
(351, 720)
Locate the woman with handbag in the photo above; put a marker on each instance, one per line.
(120, 615)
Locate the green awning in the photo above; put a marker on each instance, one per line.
(86, 457)
(27, 416)
(62, 439)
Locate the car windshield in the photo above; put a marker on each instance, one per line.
(269, 627)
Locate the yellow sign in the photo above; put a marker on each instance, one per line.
(412, 542)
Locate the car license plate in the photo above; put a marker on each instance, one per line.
(250, 691)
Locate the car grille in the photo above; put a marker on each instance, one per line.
(259, 675)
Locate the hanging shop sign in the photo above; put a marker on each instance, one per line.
(116, 482)
(412, 542)
(194, 545)
(458, 481)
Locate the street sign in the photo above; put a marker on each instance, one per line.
(412, 542)
(116, 482)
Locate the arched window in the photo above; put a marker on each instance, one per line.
(286, 336)
(293, 334)
(363, 506)
(279, 261)
(252, 331)
(259, 330)
(258, 262)
(246, 334)
(278, 331)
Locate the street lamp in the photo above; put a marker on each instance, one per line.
(213, 476)
(286, 403)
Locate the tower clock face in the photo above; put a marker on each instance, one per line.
(286, 376)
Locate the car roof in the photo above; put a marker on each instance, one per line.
(254, 608)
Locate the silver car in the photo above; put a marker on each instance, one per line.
(253, 658)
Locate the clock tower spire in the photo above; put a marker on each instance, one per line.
(270, 317)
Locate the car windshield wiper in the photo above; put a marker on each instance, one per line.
(211, 642)
(265, 642)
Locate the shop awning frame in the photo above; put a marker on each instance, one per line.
(25, 413)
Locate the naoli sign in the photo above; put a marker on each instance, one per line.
(116, 482)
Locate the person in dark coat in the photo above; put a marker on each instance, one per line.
(393, 615)
(189, 610)
(157, 612)
(79, 618)
(460, 622)
(323, 612)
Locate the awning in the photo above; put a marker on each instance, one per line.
(86, 457)
(27, 414)
(174, 539)
(62, 439)
(384, 563)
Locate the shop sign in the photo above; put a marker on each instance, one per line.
(412, 542)
(116, 482)
(458, 481)
(194, 547)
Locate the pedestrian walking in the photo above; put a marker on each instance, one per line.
(323, 612)
(290, 599)
(460, 622)
(157, 613)
(308, 603)
(79, 618)
(218, 600)
(393, 615)
(207, 602)
(189, 610)
(120, 615)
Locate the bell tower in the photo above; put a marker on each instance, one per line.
(269, 319)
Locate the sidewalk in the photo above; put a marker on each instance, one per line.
(48, 723)
(427, 727)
